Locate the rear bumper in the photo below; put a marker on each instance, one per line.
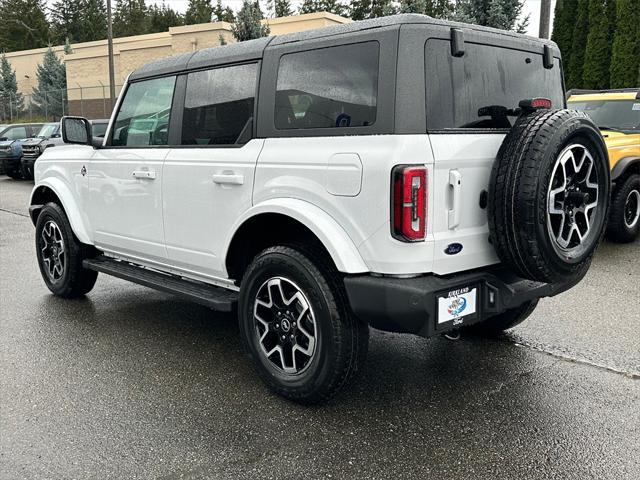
(411, 305)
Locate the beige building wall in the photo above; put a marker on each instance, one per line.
(87, 66)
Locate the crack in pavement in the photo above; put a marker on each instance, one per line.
(635, 375)
(14, 213)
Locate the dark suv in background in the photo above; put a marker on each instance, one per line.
(11, 139)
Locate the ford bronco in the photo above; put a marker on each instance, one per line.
(404, 173)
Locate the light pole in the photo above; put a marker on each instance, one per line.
(545, 18)
(112, 84)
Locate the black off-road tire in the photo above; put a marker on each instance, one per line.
(75, 280)
(519, 185)
(342, 339)
(13, 172)
(503, 321)
(27, 173)
(619, 230)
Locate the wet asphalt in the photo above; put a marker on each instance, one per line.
(129, 383)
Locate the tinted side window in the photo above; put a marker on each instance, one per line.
(486, 76)
(328, 88)
(218, 104)
(15, 133)
(99, 129)
(143, 118)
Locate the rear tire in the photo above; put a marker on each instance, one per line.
(60, 255)
(504, 321)
(297, 327)
(624, 217)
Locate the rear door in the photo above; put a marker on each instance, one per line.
(208, 176)
(465, 136)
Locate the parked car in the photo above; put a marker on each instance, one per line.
(405, 173)
(617, 113)
(48, 136)
(11, 139)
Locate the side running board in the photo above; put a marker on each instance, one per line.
(216, 298)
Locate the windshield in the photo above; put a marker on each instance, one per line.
(48, 130)
(615, 114)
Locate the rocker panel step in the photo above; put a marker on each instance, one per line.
(216, 298)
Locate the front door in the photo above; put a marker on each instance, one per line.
(125, 177)
(208, 179)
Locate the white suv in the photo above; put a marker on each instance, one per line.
(404, 173)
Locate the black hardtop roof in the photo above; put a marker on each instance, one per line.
(253, 49)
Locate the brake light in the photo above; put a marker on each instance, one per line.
(409, 203)
(535, 104)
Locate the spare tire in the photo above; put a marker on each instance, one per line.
(549, 195)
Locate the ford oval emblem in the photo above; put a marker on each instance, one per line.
(453, 248)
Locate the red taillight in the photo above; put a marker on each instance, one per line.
(409, 203)
(535, 104)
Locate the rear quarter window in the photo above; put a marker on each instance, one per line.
(330, 87)
(485, 76)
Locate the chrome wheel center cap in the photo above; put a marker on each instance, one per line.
(285, 325)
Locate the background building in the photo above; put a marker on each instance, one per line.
(87, 92)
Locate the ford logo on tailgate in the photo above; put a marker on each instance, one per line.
(453, 248)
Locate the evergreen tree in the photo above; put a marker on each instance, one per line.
(50, 94)
(573, 76)
(24, 25)
(198, 11)
(308, 6)
(598, 51)
(565, 16)
(248, 22)
(413, 6)
(130, 18)
(282, 8)
(363, 9)
(93, 21)
(9, 95)
(223, 14)
(162, 18)
(625, 56)
(64, 20)
(503, 14)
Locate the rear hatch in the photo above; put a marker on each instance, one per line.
(467, 92)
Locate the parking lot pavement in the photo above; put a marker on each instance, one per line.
(132, 383)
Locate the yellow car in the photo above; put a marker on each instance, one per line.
(617, 113)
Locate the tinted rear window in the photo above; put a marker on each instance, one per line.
(486, 76)
(328, 88)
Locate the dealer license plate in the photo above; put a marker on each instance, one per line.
(457, 304)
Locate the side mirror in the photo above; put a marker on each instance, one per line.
(76, 130)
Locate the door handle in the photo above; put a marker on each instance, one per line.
(455, 181)
(145, 174)
(228, 179)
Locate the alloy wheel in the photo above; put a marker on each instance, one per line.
(632, 209)
(285, 325)
(572, 199)
(53, 251)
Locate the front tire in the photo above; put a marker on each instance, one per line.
(297, 327)
(60, 255)
(624, 217)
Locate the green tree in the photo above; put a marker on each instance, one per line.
(503, 14)
(50, 93)
(131, 17)
(64, 20)
(573, 76)
(598, 51)
(363, 9)
(223, 14)
(282, 8)
(564, 18)
(94, 21)
(24, 25)
(198, 11)
(248, 23)
(309, 6)
(625, 55)
(161, 18)
(9, 95)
